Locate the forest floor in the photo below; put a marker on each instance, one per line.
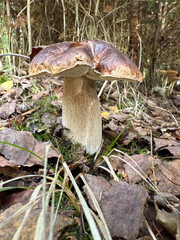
(135, 179)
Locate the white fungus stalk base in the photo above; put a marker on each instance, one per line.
(81, 114)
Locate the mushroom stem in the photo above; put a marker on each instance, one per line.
(81, 112)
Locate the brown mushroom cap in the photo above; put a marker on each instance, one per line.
(169, 73)
(111, 64)
(175, 79)
(65, 59)
(96, 60)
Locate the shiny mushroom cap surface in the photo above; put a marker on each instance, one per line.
(96, 60)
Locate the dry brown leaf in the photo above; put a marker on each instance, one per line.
(26, 140)
(168, 177)
(98, 185)
(7, 109)
(63, 220)
(145, 238)
(13, 93)
(121, 117)
(170, 221)
(58, 92)
(170, 150)
(142, 131)
(144, 161)
(39, 95)
(10, 199)
(161, 143)
(122, 205)
(117, 164)
(129, 138)
(5, 163)
(9, 169)
(48, 119)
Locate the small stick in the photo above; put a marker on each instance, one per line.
(14, 54)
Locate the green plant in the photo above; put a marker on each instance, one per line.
(4, 78)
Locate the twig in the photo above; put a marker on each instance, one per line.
(13, 54)
(24, 9)
(102, 88)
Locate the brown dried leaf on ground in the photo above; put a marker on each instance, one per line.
(39, 95)
(169, 221)
(144, 161)
(168, 177)
(13, 93)
(170, 150)
(129, 138)
(49, 119)
(5, 163)
(162, 143)
(98, 185)
(63, 220)
(10, 199)
(145, 238)
(117, 164)
(7, 109)
(58, 92)
(26, 140)
(122, 205)
(140, 129)
(9, 169)
(121, 117)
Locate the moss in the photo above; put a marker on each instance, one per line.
(45, 105)
(68, 150)
(4, 78)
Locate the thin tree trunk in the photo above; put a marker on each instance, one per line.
(29, 27)
(9, 31)
(134, 39)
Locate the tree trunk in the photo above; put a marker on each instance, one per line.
(29, 27)
(134, 39)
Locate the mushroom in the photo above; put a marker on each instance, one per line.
(170, 76)
(81, 63)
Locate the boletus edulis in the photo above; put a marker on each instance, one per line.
(81, 64)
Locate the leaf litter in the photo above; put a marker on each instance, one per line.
(124, 203)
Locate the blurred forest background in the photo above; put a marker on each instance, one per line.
(148, 31)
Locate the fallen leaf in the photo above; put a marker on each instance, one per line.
(117, 164)
(39, 95)
(170, 221)
(113, 109)
(6, 85)
(161, 143)
(40, 150)
(26, 140)
(121, 117)
(170, 150)
(129, 138)
(7, 109)
(144, 161)
(105, 115)
(48, 119)
(63, 219)
(122, 205)
(98, 185)
(10, 199)
(168, 177)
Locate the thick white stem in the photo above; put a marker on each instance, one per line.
(81, 112)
